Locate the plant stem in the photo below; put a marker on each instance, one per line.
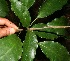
(49, 27)
(18, 30)
(33, 21)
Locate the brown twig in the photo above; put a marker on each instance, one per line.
(18, 30)
(49, 27)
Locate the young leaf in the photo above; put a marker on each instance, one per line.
(3, 8)
(21, 11)
(50, 6)
(46, 35)
(54, 51)
(10, 48)
(28, 3)
(29, 46)
(62, 21)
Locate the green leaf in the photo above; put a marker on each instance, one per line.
(50, 6)
(29, 46)
(3, 8)
(22, 12)
(62, 21)
(28, 3)
(39, 25)
(54, 51)
(46, 35)
(10, 48)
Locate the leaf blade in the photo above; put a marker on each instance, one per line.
(29, 46)
(22, 12)
(3, 8)
(62, 21)
(46, 35)
(9, 48)
(51, 51)
(50, 6)
(28, 3)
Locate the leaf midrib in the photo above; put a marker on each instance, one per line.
(7, 52)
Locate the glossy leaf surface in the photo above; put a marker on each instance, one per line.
(28, 3)
(46, 35)
(62, 21)
(50, 6)
(21, 11)
(54, 51)
(29, 46)
(10, 48)
(3, 8)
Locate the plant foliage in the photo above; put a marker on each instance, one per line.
(11, 47)
(3, 8)
(29, 46)
(54, 51)
(50, 6)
